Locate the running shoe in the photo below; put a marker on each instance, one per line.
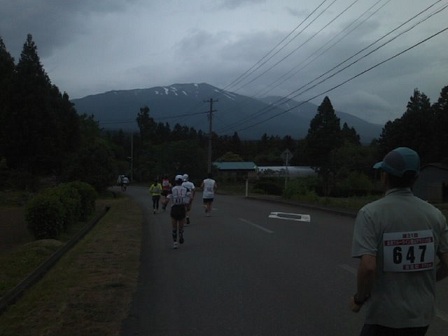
(175, 245)
(181, 239)
(188, 220)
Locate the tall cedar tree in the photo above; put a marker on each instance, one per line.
(417, 123)
(7, 72)
(413, 129)
(42, 127)
(350, 135)
(323, 138)
(440, 127)
(324, 135)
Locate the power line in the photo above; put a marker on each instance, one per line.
(301, 45)
(289, 75)
(298, 91)
(267, 109)
(350, 79)
(259, 63)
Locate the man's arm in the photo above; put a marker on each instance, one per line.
(442, 267)
(365, 278)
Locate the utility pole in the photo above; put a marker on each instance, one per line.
(210, 131)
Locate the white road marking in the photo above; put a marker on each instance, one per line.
(290, 216)
(255, 225)
(440, 313)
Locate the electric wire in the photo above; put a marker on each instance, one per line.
(298, 91)
(279, 101)
(347, 80)
(258, 64)
(312, 58)
(301, 45)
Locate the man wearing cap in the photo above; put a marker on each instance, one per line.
(398, 240)
(179, 197)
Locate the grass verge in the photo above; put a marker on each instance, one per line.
(90, 289)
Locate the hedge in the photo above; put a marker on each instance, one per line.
(56, 209)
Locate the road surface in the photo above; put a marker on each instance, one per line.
(252, 268)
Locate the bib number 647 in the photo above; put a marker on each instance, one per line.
(408, 251)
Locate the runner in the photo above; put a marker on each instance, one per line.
(209, 187)
(124, 182)
(155, 190)
(397, 239)
(166, 189)
(179, 197)
(191, 188)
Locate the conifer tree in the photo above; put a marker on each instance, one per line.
(440, 127)
(413, 129)
(42, 126)
(323, 138)
(7, 72)
(417, 123)
(350, 135)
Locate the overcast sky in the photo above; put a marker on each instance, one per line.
(252, 47)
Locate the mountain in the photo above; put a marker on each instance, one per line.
(189, 105)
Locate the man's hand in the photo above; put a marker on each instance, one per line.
(353, 306)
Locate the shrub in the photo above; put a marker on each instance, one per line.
(268, 186)
(355, 184)
(88, 197)
(45, 215)
(55, 209)
(302, 188)
(71, 201)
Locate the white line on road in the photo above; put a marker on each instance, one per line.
(290, 216)
(255, 225)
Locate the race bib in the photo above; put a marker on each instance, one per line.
(408, 251)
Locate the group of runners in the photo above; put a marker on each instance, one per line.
(181, 195)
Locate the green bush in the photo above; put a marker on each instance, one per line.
(55, 209)
(45, 215)
(71, 201)
(302, 188)
(268, 186)
(355, 184)
(88, 198)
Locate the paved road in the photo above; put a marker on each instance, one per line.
(249, 269)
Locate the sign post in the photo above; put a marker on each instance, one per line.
(286, 156)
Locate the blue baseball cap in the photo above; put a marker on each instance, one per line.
(399, 161)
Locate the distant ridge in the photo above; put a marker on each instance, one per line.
(185, 104)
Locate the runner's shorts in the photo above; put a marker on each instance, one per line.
(178, 212)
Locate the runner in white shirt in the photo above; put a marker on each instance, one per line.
(209, 187)
(179, 198)
(191, 188)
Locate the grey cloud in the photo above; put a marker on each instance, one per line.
(233, 4)
(53, 23)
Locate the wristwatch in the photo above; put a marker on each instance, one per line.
(359, 301)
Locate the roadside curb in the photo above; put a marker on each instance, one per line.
(14, 294)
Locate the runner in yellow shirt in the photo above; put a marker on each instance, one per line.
(156, 191)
